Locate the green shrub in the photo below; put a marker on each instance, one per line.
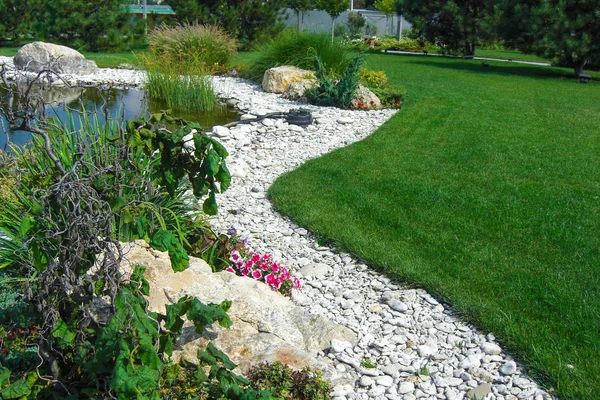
(332, 93)
(405, 44)
(288, 384)
(192, 47)
(300, 49)
(390, 95)
(372, 79)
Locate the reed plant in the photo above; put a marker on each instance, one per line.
(187, 93)
(300, 50)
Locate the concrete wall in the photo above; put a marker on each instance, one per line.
(320, 21)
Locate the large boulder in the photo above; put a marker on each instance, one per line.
(38, 56)
(277, 80)
(365, 98)
(267, 326)
(296, 90)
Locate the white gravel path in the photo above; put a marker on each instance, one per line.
(419, 347)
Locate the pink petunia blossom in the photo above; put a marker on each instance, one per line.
(255, 258)
(257, 274)
(229, 269)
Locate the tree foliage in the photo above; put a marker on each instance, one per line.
(458, 26)
(81, 24)
(334, 8)
(300, 7)
(246, 20)
(567, 29)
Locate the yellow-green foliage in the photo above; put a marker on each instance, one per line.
(371, 78)
(194, 47)
(402, 45)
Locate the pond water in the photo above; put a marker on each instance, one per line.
(133, 102)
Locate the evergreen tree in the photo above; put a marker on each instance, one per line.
(566, 29)
(95, 25)
(247, 20)
(334, 8)
(456, 25)
(15, 18)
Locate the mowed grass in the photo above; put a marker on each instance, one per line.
(514, 54)
(484, 189)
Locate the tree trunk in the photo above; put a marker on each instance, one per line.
(332, 28)
(579, 65)
(399, 29)
(298, 21)
(470, 49)
(302, 25)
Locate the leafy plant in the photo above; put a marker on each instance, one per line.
(368, 363)
(356, 23)
(330, 92)
(372, 79)
(299, 50)
(289, 384)
(76, 194)
(390, 96)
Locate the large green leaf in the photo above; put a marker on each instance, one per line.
(62, 332)
(210, 204)
(16, 390)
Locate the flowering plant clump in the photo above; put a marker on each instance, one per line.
(263, 268)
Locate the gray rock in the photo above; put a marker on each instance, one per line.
(472, 361)
(38, 56)
(295, 91)
(479, 392)
(366, 97)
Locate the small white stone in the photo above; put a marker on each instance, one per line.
(221, 131)
(491, 349)
(406, 387)
(345, 120)
(384, 380)
(509, 368)
(397, 305)
(424, 350)
(337, 346)
(472, 361)
(366, 381)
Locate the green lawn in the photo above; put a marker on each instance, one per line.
(514, 54)
(484, 189)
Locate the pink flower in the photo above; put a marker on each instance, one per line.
(266, 256)
(249, 264)
(264, 266)
(255, 258)
(271, 279)
(246, 271)
(297, 283)
(229, 269)
(257, 274)
(275, 267)
(239, 264)
(235, 256)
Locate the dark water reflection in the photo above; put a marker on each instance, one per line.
(131, 103)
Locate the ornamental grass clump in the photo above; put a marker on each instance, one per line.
(192, 45)
(300, 49)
